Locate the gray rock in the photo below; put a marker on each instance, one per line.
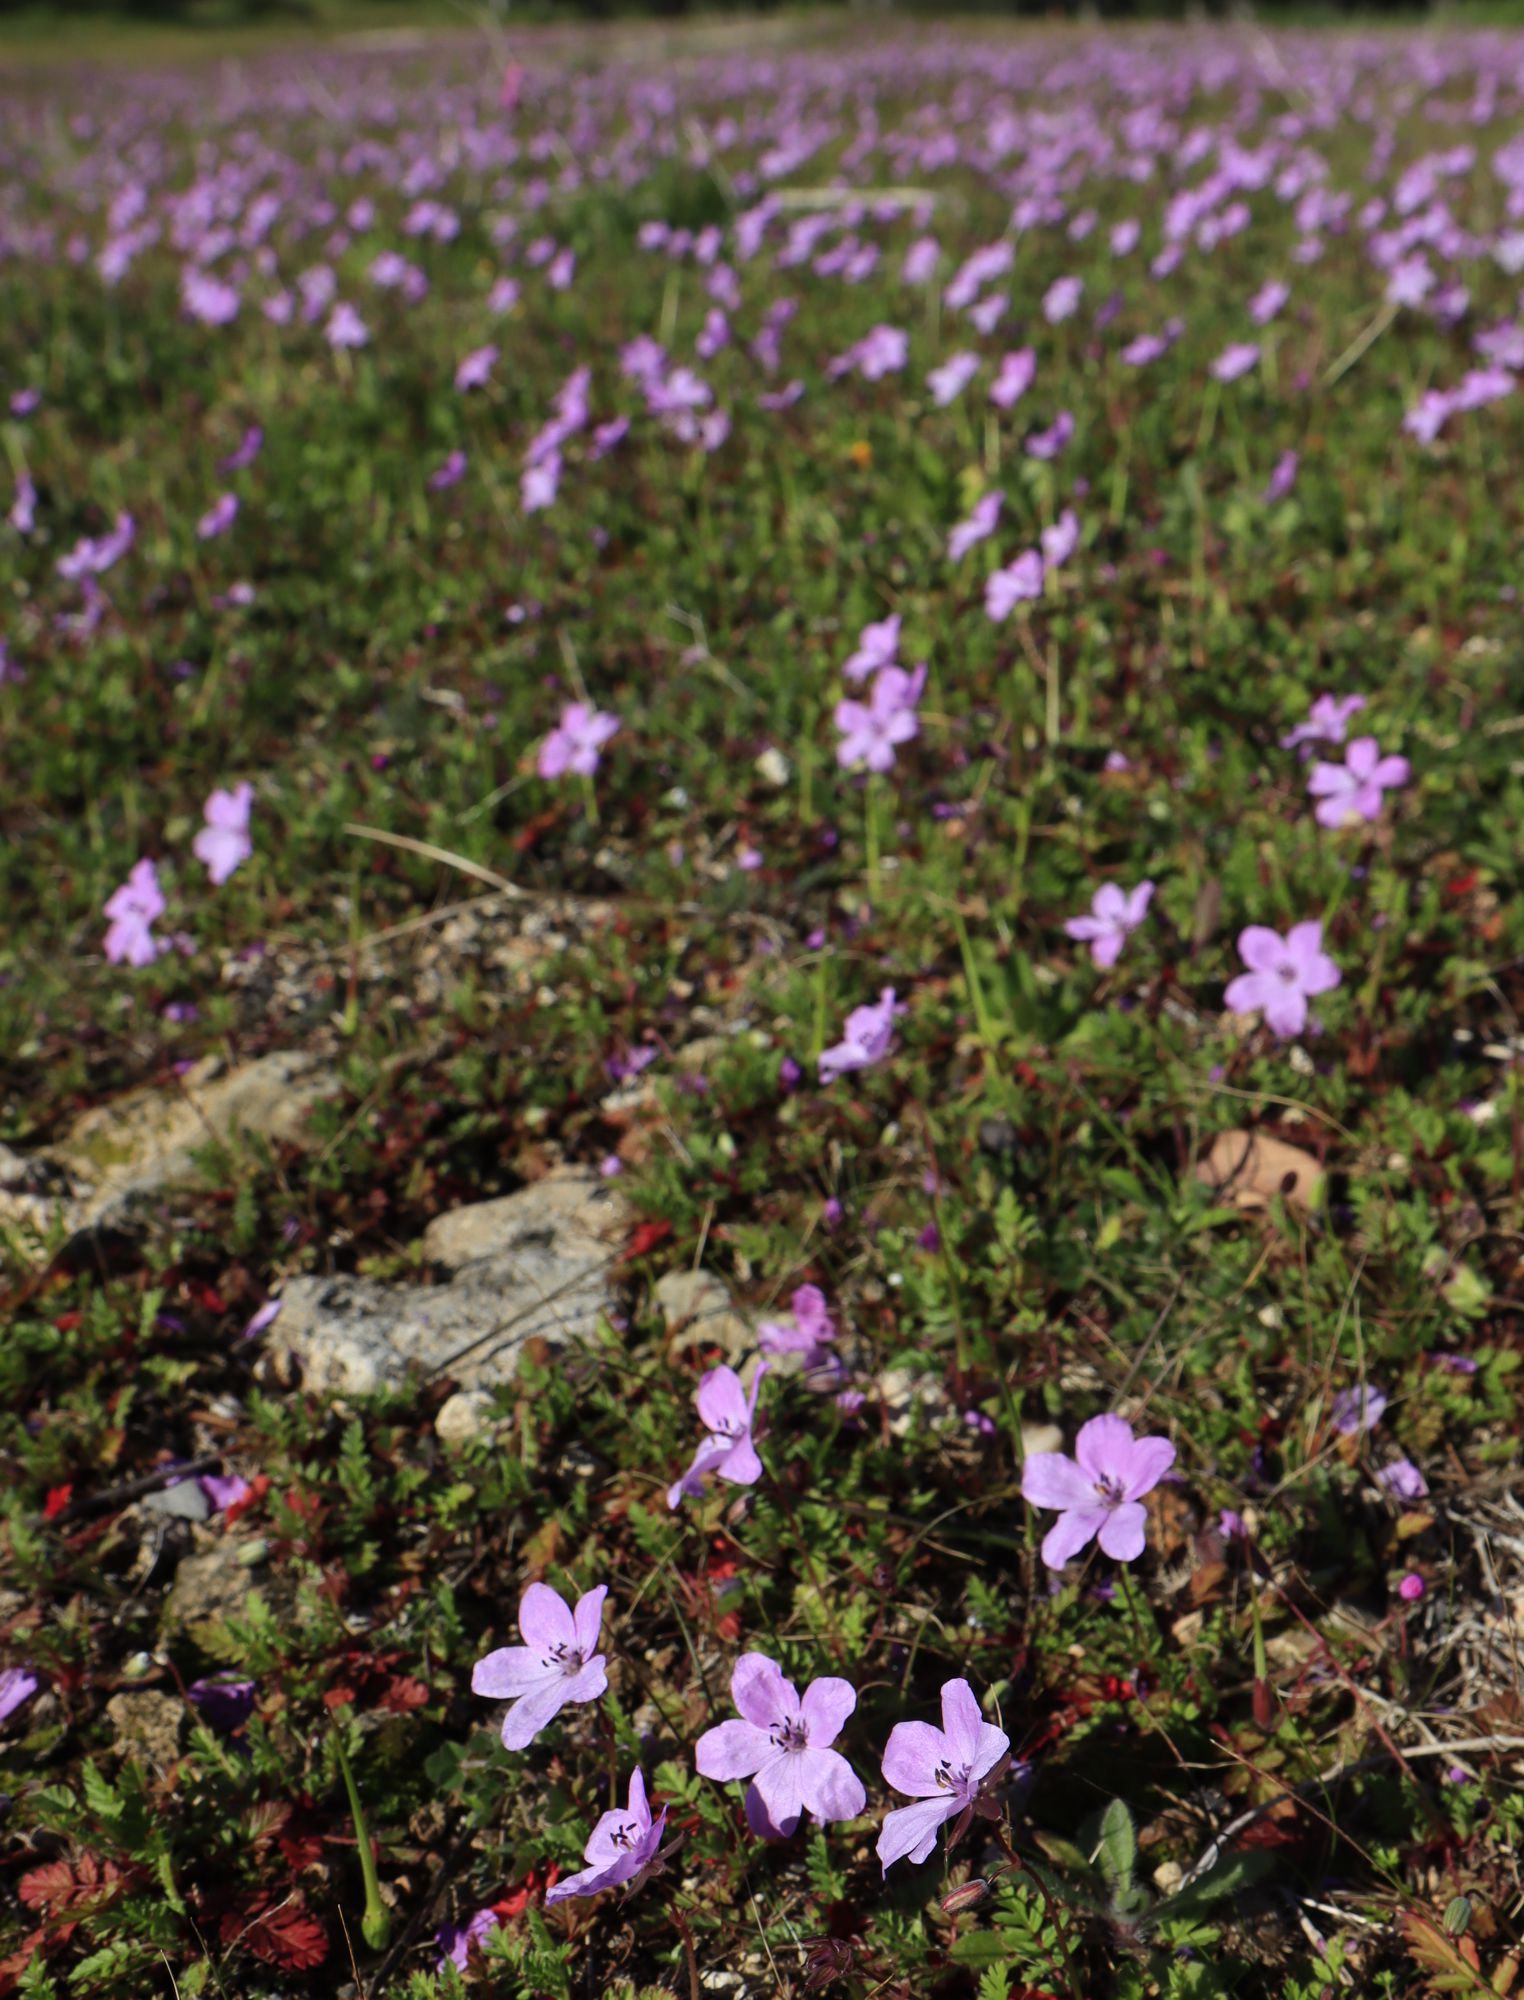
(184, 1501)
(208, 1587)
(147, 1725)
(533, 1265)
(463, 1416)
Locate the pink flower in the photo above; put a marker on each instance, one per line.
(474, 371)
(1017, 373)
(941, 1769)
(728, 1415)
(865, 1040)
(1061, 300)
(558, 1663)
(1099, 1491)
(1235, 360)
(1268, 301)
(978, 527)
(223, 843)
(455, 1940)
(782, 1743)
(1403, 1480)
(811, 1332)
(345, 327)
(218, 518)
(877, 646)
(575, 744)
(621, 1846)
(1049, 443)
(948, 382)
(17, 1686)
(1061, 540)
(1114, 913)
(1412, 1587)
(1017, 583)
(133, 910)
(1352, 790)
(871, 730)
(1327, 720)
(1284, 973)
(449, 474)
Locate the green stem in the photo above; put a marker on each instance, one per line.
(376, 1924)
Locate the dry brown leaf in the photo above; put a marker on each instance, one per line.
(1249, 1169)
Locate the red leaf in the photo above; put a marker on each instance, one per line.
(58, 1498)
(70, 1885)
(646, 1238)
(12, 1968)
(283, 1935)
(404, 1693)
(258, 1488)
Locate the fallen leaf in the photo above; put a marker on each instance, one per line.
(1249, 1169)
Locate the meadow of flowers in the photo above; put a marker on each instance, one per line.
(897, 654)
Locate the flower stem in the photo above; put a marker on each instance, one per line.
(376, 1924)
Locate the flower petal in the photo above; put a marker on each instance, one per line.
(911, 1831)
(1260, 948)
(1122, 1532)
(509, 1672)
(760, 1691)
(1104, 1446)
(545, 1620)
(828, 1784)
(1151, 1458)
(911, 1757)
(587, 1618)
(827, 1704)
(961, 1719)
(721, 1401)
(732, 1750)
(1069, 1534)
(1052, 1479)
(531, 1712)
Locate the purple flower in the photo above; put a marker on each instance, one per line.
(93, 556)
(23, 514)
(782, 1743)
(865, 1040)
(25, 402)
(811, 1332)
(133, 910)
(577, 741)
(1356, 1410)
(1283, 478)
(247, 451)
(451, 473)
(558, 1662)
(621, 1846)
(884, 352)
(728, 1415)
(940, 1768)
(877, 646)
(474, 371)
(1412, 1587)
(345, 327)
(17, 1686)
(1017, 372)
(949, 381)
(223, 843)
(455, 1940)
(1352, 790)
(1099, 1491)
(1113, 914)
(207, 299)
(1061, 540)
(1018, 583)
(1284, 974)
(226, 1704)
(1327, 720)
(872, 730)
(1403, 1480)
(1235, 361)
(1268, 301)
(1049, 443)
(979, 526)
(224, 1489)
(1061, 300)
(267, 1315)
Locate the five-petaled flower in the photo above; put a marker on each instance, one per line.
(576, 743)
(1114, 913)
(621, 1846)
(224, 841)
(871, 731)
(865, 1039)
(878, 646)
(812, 1330)
(1284, 973)
(133, 909)
(558, 1663)
(1352, 790)
(941, 1769)
(727, 1414)
(782, 1743)
(1099, 1491)
(1327, 721)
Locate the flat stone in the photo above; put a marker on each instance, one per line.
(147, 1725)
(535, 1265)
(208, 1588)
(463, 1416)
(184, 1501)
(699, 1312)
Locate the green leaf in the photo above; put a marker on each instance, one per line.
(1116, 1851)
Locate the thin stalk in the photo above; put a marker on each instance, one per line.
(376, 1924)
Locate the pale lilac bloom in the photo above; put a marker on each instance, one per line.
(218, 518)
(134, 909)
(558, 1663)
(1283, 478)
(1353, 790)
(23, 514)
(728, 1415)
(503, 297)
(1049, 443)
(345, 327)
(988, 313)
(877, 646)
(455, 1940)
(540, 483)
(619, 1848)
(606, 436)
(1017, 583)
(449, 474)
(978, 527)
(1125, 236)
(949, 381)
(1235, 360)
(246, 451)
(267, 1315)
(782, 1743)
(866, 1039)
(476, 369)
(1327, 720)
(1099, 1491)
(1114, 914)
(1284, 973)
(224, 843)
(224, 1490)
(941, 1769)
(920, 263)
(577, 741)
(811, 1333)
(1356, 1410)
(25, 402)
(1403, 1480)
(1269, 301)
(207, 298)
(17, 1686)
(1017, 372)
(1061, 300)
(871, 731)
(93, 555)
(1061, 540)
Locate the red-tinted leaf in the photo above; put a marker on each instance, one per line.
(70, 1885)
(282, 1934)
(58, 1498)
(404, 1693)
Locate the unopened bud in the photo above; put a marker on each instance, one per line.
(967, 1896)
